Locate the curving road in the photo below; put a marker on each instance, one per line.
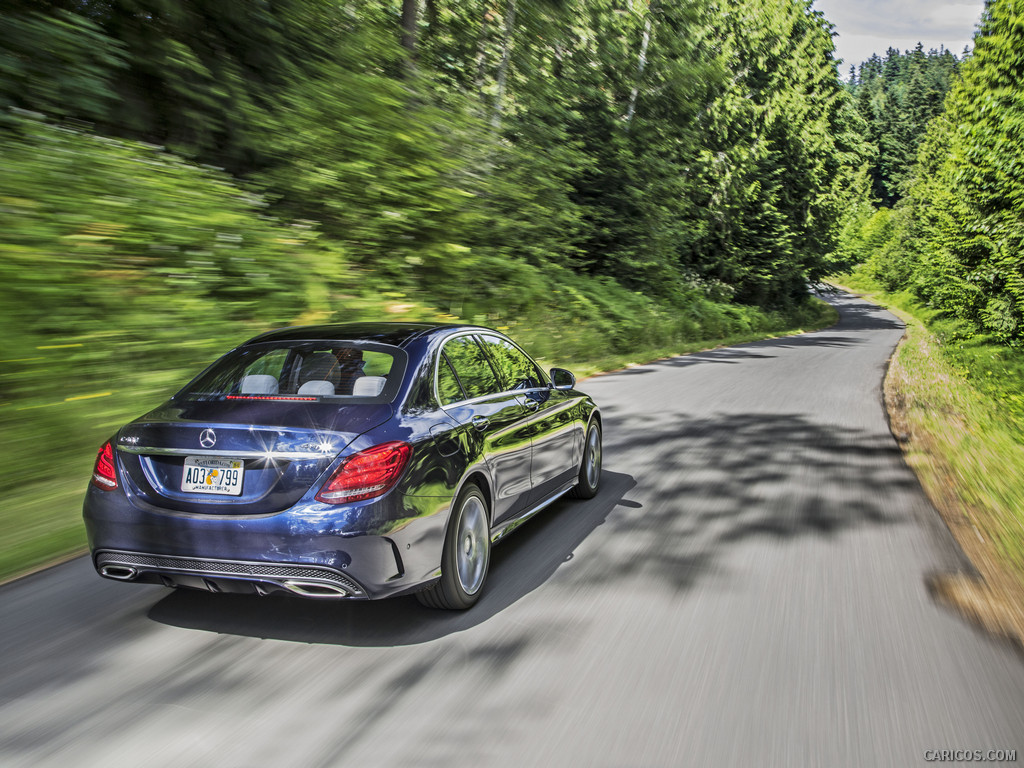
(748, 589)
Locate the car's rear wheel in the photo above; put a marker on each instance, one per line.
(466, 555)
(589, 479)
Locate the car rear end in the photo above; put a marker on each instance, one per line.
(255, 480)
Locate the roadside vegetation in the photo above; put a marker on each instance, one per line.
(955, 406)
(954, 237)
(946, 250)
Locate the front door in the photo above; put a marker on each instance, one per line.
(550, 421)
(493, 421)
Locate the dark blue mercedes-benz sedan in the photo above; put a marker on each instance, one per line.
(343, 461)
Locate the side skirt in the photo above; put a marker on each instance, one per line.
(510, 525)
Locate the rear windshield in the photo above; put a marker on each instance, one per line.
(302, 370)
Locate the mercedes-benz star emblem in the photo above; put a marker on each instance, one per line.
(208, 438)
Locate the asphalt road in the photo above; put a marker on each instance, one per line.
(748, 589)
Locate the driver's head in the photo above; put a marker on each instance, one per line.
(348, 356)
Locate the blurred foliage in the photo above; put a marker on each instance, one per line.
(99, 230)
(61, 64)
(654, 143)
(607, 181)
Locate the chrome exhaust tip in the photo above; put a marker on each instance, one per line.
(315, 589)
(119, 572)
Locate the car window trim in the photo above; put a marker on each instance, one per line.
(473, 335)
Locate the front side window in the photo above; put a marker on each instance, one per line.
(470, 365)
(300, 370)
(516, 370)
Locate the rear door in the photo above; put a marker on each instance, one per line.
(493, 421)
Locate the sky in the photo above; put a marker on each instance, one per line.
(872, 26)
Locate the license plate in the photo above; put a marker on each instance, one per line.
(205, 475)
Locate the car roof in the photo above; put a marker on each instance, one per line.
(395, 334)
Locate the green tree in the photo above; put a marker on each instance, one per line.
(770, 162)
(61, 64)
(982, 225)
(897, 97)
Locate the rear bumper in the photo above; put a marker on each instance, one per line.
(227, 575)
(308, 550)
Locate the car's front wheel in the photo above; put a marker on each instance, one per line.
(589, 479)
(466, 554)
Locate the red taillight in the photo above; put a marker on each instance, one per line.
(103, 474)
(366, 474)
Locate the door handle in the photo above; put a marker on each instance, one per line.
(481, 422)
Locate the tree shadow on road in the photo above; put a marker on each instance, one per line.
(861, 316)
(707, 485)
(714, 483)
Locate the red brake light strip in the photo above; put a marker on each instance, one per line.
(271, 397)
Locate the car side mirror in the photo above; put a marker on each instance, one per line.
(562, 379)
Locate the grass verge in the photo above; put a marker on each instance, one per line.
(953, 403)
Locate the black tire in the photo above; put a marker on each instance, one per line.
(589, 479)
(466, 555)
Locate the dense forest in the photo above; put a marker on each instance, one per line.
(897, 97)
(954, 231)
(669, 147)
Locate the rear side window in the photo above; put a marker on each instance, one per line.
(470, 365)
(270, 364)
(448, 388)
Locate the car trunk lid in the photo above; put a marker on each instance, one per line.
(239, 458)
